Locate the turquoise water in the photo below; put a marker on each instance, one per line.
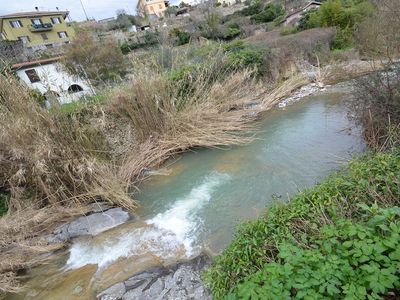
(296, 148)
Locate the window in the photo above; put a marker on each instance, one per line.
(75, 88)
(32, 75)
(25, 39)
(56, 20)
(16, 24)
(44, 36)
(62, 34)
(36, 21)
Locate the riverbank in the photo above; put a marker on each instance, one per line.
(329, 241)
(242, 110)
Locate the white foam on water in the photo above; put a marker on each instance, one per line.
(181, 218)
(168, 233)
(137, 242)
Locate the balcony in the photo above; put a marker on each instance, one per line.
(41, 27)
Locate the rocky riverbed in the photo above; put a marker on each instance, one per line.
(178, 282)
(304, 91)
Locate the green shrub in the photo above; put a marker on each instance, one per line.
(183, 36)
(269, 14)
(39, 97)
(252, 9)
(249, 58)
(150, 39)
(179, 74)
(125, 48)
(234, 46)
(343, 38)
(288, 30)
(341, 14)
(306, 22)
(279, 20)
(233, 31)
(366, 180)
(348, 259)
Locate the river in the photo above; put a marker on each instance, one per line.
(203, 195)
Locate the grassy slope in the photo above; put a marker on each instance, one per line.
(259, 244)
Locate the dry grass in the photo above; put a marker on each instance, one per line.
(50, 165)
(21, 241)
(211, 115)
(50, 158)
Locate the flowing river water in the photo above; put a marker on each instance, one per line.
(205, 194)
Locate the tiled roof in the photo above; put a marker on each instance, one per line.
(35, 63)
(34, 14)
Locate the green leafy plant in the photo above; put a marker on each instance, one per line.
(233, 31)
(371, 179)
(348, 260)
(249, 57)
(182, 36)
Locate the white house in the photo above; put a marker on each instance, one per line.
(48, 77)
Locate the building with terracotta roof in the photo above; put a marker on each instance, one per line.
(38, 29)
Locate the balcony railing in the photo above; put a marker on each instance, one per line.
(41, 27)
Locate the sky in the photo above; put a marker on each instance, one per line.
(98, 9)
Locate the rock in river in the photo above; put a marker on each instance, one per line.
(89, 225)
(179, 282)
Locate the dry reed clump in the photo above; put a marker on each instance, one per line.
(49, 163)
(209, 115)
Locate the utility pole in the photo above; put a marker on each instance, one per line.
(84, 10)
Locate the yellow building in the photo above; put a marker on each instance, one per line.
(151, 8)
(38, 29)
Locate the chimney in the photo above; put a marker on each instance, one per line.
(36, 8)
